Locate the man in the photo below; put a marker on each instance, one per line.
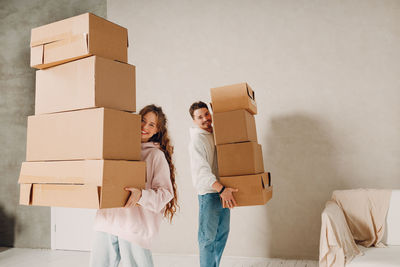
(214, 217)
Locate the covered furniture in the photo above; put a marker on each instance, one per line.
(361, 227)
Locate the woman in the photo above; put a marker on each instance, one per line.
(127, 233)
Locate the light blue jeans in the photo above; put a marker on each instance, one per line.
(213, 229)
(108, 250)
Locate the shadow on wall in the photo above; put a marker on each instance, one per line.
(7, 226)
(302, 156)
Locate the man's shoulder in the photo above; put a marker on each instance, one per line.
(199, 138)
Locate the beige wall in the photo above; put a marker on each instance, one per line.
(326, 76)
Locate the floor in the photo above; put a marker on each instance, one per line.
(19, 257)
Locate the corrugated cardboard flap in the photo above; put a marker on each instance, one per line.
(62, 172)
(59, 30)
(23, 179)
(80, 40)
(61, 51)
(65, 195)
(267, 194)
(37, 55)
(251, 94)
(25, 195)
(66, 50)
(48, 40)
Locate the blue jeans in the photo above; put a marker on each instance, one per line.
(108, 250)
(213, 229)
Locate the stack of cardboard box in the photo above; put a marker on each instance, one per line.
(83, 143)
(240, 161)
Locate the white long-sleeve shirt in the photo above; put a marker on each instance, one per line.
(203, 160)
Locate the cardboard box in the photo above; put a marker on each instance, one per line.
(233, 97)
(253, 189)
(234, 126)
(86, 83)
(240, 159)
(75, 38)
(98, 133)
(80, 184)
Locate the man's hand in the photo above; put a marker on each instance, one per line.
(228, 201)
(134, 196)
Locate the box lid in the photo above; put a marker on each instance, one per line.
(72, 196)
(232, 97)
(60, 30)
(63, 172)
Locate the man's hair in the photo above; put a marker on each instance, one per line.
(197, 105)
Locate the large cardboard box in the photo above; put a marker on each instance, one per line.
(98, 133)
(234, 126)
(80, 184)
(86, 83)
(253, 189)
(240, 159)
(233, 97)
(77, 37)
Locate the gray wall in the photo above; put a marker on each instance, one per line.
(326, 76)
(22, 226)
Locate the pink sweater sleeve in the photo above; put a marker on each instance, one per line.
(160, 192)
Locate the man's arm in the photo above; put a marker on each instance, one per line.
(200, 168)
(228, 201)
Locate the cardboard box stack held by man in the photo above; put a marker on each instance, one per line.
(83, 143)
(240, 160)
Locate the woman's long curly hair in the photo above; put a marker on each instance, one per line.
(162, 138)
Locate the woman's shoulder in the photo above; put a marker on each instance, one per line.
(157, 159)
(155, 153)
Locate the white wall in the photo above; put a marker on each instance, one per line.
(326, 76)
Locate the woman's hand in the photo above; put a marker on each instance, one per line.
(134, 196)
(228, 201)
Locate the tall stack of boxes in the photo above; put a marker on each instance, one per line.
(240, 161)
(83, 143)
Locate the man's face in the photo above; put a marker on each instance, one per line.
(202, 118)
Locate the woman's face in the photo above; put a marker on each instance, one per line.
(149, 126)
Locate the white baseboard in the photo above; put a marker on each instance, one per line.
(171, 260)
(20, 257)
